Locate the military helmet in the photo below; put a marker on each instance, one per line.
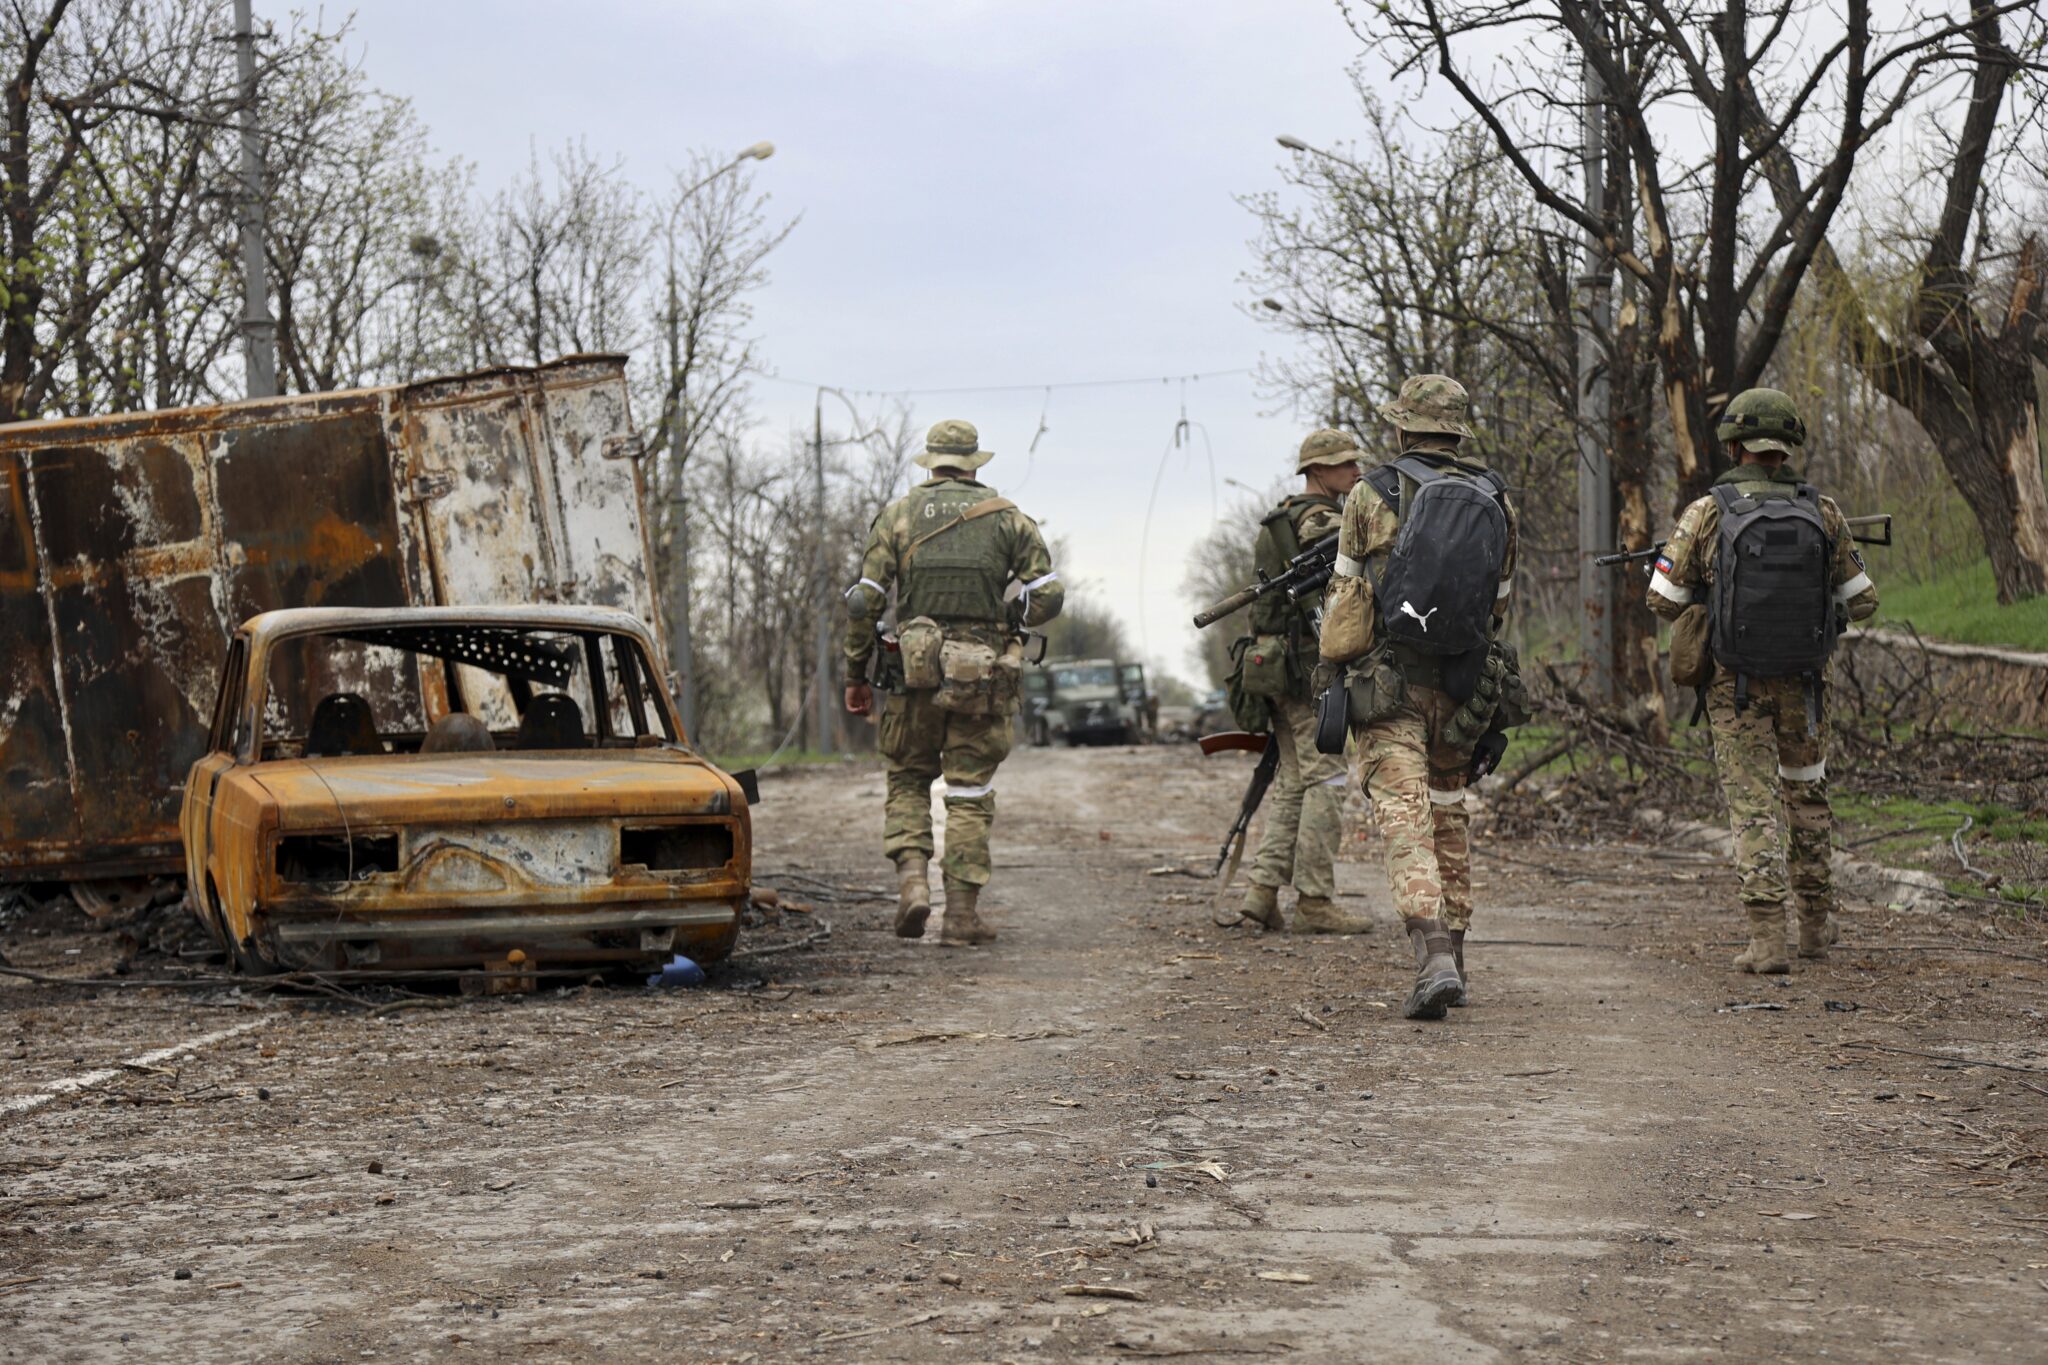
(953, 444)
(1430, 403)
(1328, 446)
(1762, 419)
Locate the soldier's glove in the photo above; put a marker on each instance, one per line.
(1322, 677)
(1486, 754)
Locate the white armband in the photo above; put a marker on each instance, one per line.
(1349, 567)
(1664, 587)
(1860, 583)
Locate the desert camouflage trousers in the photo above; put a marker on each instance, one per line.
(1304, 809)
(1774, 776)
(1416, 784)
(919, 744)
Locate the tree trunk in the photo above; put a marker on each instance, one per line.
(1995, 461)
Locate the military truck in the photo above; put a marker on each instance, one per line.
(1088, 701)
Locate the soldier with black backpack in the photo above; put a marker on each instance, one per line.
(1424, 565)
(1763, 573)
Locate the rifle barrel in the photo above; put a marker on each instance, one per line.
(1237, 601)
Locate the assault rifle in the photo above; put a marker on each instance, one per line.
(1648, 554)
(1306, 573)
(1232, 852)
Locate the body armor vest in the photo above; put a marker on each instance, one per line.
(959, 574)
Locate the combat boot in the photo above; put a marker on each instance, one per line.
(1436, 971)
(1262, 907)
(1818, 931)
(1464, 981)
(963, 926)
(1318, 915)
(1765, 954)
(913, 895)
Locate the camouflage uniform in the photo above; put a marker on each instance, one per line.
(959, 578)
(1305, 808)
(1414, 778)
(1773, 772)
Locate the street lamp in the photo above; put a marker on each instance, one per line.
(685, 651)
(1295, 144)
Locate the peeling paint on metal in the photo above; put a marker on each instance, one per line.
(132, 546)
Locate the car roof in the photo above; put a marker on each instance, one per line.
(271, 625)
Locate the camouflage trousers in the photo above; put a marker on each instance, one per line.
(1774, 776)
(1416, 784)
(919, 744)
(1304, 809)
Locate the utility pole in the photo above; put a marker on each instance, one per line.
(259, 333)
(1597, 587)
(825, 701)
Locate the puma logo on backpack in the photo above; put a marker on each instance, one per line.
(1408, 609)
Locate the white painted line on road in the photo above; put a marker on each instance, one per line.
(72, 1085)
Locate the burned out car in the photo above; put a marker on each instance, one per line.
(525, 797)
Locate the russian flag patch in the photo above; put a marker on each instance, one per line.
(1664, 565)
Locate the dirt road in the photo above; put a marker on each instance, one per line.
(866, 1149)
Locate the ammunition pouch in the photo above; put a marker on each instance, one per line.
(921, 641)
(979, 680)
(1376, 689)
(1692, 662)
(1264, 670)
(1347, 618)
(1253, 711)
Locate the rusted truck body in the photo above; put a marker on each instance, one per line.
(520, 793)
(132, 547)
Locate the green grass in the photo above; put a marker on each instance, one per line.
(1961, 605)
(1898, 830)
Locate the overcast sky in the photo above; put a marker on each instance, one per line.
(991, 194)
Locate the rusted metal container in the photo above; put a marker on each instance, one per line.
(132, 547)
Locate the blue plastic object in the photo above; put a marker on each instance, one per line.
(679, 972)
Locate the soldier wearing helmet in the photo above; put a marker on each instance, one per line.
(1418, 717)
(966, 569)
(1304, 812)
(1770, 734)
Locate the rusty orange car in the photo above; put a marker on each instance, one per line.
(519, 791)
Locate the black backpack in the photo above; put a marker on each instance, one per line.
(1437, 589)
(1770, 612)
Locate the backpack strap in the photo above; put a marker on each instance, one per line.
(1386, 481)
(987, 507)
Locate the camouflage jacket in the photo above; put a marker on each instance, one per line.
(1686, 567)
(886, 563)
(1367, 535)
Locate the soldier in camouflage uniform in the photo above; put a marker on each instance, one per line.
(1772, 764)
(956, 566)
(1412, 773)
(1305, 809)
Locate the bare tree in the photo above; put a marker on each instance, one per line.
(712, 241)
(1717, 278)
(1961, 348)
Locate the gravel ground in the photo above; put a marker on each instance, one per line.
(1119, 1132)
